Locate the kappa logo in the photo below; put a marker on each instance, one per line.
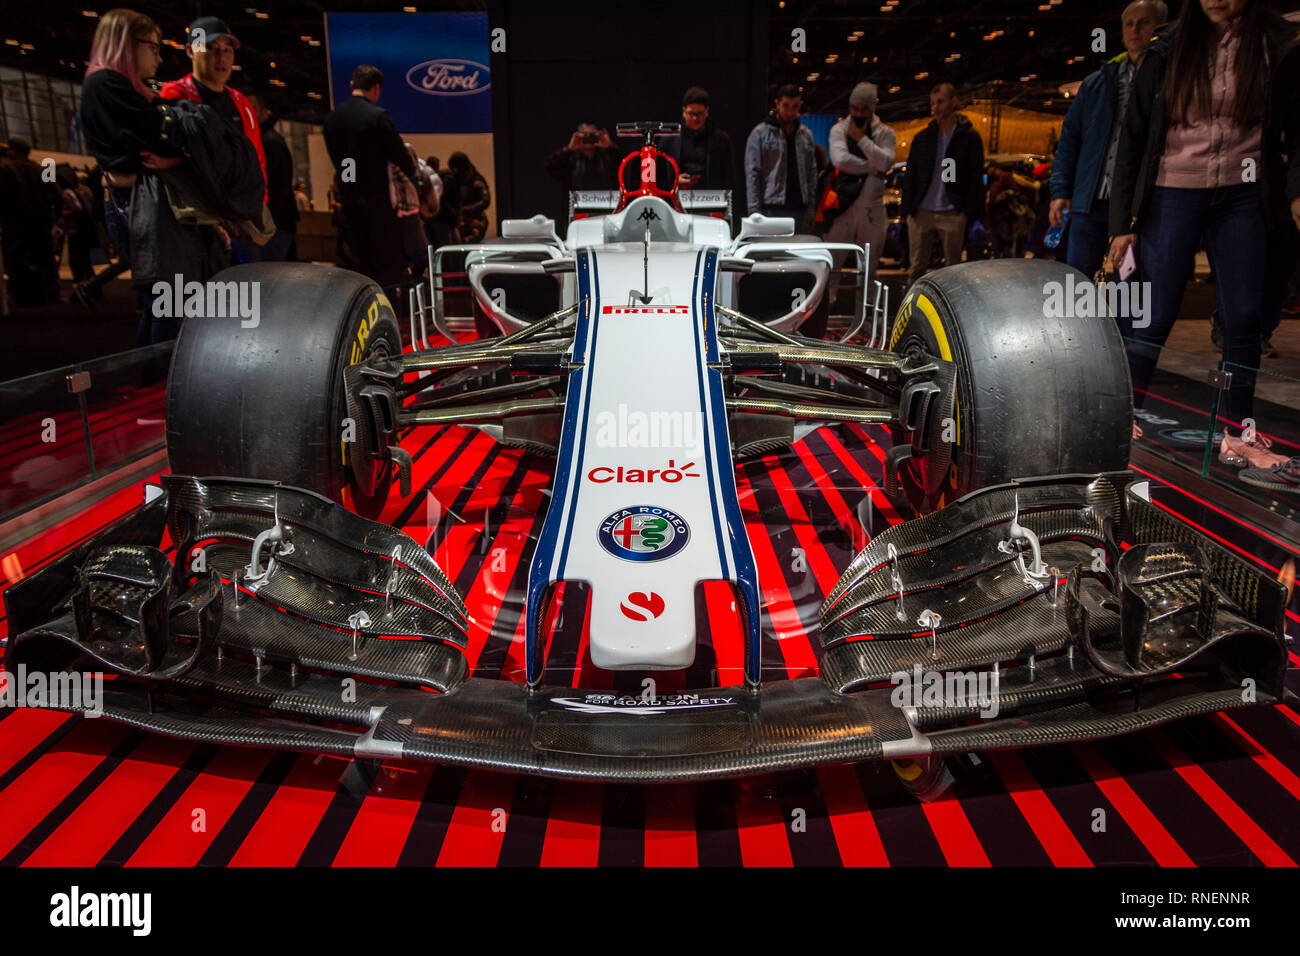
(644, 310)
(643, 533)
(642, 606)
(602, 474)
(647, 213)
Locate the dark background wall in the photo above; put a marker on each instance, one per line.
(566, 61)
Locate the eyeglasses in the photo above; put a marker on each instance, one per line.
(695, 114)
(154, 47)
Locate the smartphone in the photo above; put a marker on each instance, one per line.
(1129, 264)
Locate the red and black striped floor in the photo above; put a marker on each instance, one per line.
(1219, 790)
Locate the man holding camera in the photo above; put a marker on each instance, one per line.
(588, 162)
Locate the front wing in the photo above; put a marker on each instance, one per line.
(342, 636)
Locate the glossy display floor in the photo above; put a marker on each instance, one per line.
(1217, 790)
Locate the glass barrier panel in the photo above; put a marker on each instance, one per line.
(44, 446)
(70, 425)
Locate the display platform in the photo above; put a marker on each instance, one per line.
(1216, 790)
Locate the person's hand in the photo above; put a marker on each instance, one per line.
(685, 180)
(1055, 215)
(1295, 211)
(225, 236)
(575, 142)
(1119, 247)
(602, 140)
(154, 161)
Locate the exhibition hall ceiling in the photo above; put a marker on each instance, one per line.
(1024, 52)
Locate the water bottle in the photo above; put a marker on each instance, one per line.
(1053, 237)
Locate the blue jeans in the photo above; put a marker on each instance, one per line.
(245, 250)
(1230, 220)
(117, 219)
(1089, 237)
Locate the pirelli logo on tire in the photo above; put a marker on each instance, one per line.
(904, 315)
(362, 338)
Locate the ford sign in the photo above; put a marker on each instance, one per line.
(449, 77)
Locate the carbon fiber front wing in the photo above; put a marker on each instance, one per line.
(1045, 611)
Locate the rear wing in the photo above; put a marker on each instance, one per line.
(697, 202)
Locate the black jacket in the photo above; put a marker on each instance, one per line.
(119, 122)
(707, 154)
(27, 201)
(578, 171)
(358, 129)
(279, 178)
(1142, 138)
(221, 168)
(966, 192)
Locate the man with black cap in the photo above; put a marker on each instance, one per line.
(862, 151)
(211, 48)
(362, 140)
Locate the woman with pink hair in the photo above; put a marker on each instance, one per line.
(123, 128)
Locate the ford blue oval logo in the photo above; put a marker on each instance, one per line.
(450, 77)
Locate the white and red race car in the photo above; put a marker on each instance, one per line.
(648, 353)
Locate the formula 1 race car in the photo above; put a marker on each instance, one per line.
(254, 599)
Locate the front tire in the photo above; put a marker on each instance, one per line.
(268, 401)
(1036, 394)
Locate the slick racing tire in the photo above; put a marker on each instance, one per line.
(1035, 394)
(268, 400)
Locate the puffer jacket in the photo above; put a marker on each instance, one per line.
(765, 169)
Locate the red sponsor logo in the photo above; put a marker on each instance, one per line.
(640, 606)
(642, 476)
(644, 310)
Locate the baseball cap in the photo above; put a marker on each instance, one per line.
(212, 28)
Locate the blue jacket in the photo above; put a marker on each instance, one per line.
(1085, 137)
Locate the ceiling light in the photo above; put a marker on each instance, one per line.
(262, 16)
(832, 57)
(89, 13)
(894, 89)
(852, 38)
